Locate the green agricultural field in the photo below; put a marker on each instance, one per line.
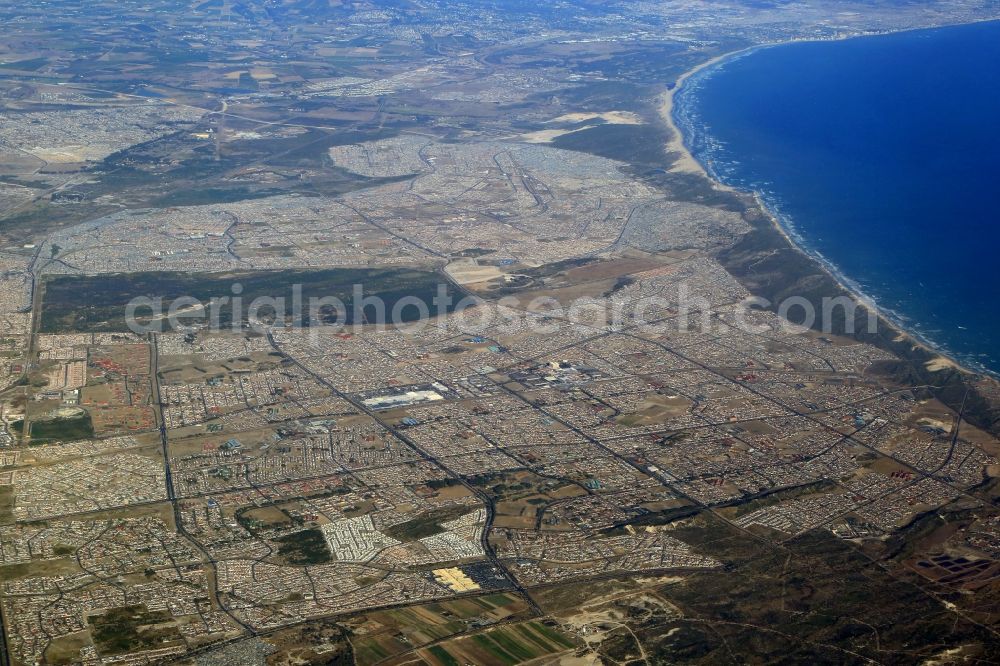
(504, 646)
(403, 630)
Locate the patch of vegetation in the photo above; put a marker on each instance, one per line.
(305, 547)
(211, 195)
(26, 65)
(620, 283)
(768, 498)
(6, 504)
(99, 303)
(132, 629)
(426, 525)
(664, 517)
(79, 426)
(42, 217)
(475, 252)
(634, 144)
(438, 484)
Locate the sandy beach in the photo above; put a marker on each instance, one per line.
(686, 163)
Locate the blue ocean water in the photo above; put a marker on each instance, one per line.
(882, 156)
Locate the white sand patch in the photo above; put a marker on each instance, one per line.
(62, 155)
(467, 271)
(610, 117)
(940, 363)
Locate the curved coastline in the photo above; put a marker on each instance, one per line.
(684, 142)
